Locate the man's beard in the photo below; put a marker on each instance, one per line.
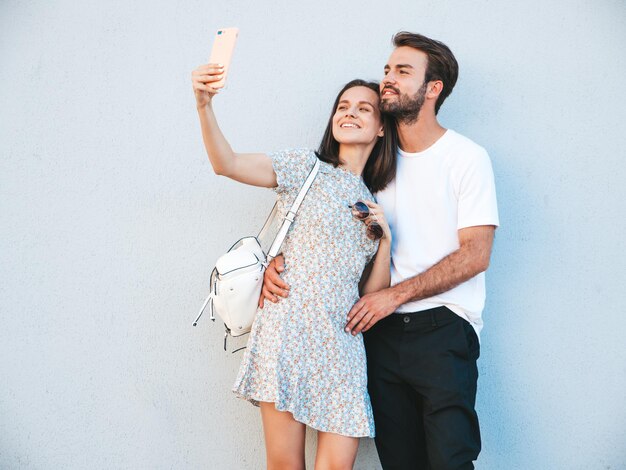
(406, 108)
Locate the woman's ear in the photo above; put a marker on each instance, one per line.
(381, 132)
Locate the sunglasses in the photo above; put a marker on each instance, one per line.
(361, 212)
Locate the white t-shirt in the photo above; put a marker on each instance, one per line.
(447, 187)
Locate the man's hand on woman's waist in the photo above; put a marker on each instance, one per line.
(273, 286)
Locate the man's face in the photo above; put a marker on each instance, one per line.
(402, 90)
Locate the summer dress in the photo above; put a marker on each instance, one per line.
(299, 357)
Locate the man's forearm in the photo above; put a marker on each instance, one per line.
(454, 269)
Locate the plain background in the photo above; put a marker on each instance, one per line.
(110, 217)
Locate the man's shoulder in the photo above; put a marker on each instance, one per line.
(463, 154)
(464, 147)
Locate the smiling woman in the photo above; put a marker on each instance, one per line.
(300, 366)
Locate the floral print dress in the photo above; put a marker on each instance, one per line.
(299, 357)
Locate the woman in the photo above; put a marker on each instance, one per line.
(300, 366)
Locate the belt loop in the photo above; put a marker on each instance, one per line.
(432, 318)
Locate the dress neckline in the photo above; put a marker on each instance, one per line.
(340, 169)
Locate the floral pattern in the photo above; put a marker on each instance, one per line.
(299, 357)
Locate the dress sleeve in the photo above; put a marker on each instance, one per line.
(292, 167)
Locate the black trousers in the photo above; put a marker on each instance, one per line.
(422, 379)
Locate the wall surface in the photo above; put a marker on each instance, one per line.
(110, 217)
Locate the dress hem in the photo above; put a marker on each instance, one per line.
(255, 401)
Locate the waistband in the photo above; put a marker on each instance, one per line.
(432, 317)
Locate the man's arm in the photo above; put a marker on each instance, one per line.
(470, 259)
(273, 286)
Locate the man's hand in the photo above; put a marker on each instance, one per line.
(370, 309)
(273, 285)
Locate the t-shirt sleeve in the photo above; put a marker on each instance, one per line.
(292, 167)
(477, 195)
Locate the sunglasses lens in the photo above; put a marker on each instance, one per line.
(374, 231)
(361, 206)
(360, 210)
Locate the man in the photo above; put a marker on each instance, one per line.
(421, 334)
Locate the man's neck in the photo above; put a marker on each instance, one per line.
(420, 135)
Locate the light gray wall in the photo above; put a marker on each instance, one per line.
(111, 217)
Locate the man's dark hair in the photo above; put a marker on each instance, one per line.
(380, 168)
(442, 64)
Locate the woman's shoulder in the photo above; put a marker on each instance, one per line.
(291, 166)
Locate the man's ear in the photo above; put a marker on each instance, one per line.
(435, 89)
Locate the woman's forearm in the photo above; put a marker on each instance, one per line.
(380, 274)
(218, 149)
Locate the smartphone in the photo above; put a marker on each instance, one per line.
(222, 52)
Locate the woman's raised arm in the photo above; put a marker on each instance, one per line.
(250, 168)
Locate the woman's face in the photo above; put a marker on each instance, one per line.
(357, 117)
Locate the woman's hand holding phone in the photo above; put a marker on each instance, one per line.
(203, 79)
(208, 79)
